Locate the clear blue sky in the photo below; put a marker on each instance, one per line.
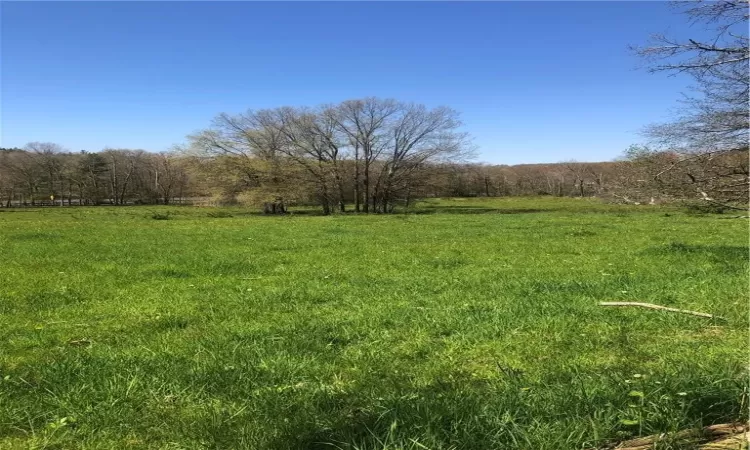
(534, 81)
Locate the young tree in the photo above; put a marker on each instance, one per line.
(169, 175)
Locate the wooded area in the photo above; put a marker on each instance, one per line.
(34, 175)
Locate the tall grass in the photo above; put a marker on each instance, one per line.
(465, 325)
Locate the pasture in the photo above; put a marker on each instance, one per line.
(467, 324)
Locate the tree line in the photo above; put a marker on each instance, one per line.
(47, 174)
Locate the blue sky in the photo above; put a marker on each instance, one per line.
(534, 81)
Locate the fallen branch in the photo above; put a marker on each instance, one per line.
(662, 308)
(738, 442)
(625, 199)
(723, 436)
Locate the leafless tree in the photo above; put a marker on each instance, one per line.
(418, 136)
(390, 142)
(313, 141)
(365, 122)
(169, 175)
(47, 156)
(250, 146)
(123, 165)
(712, 124)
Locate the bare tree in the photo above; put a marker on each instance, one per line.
(278, 137)
(580, 173)
(390, 143)
(169, 175)
(713, 121)
(91, 177)
(25, 170)
(248, 144)
(366, 124)
(418, 136)
(122, 166)
(47, 156)
(11, 175)
(315, 136)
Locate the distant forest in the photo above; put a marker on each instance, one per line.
(45, 174)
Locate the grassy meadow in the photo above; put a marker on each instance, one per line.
(467, 324)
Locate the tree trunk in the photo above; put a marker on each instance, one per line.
(340, 186)
(275, 207)
(113, 181)
(357, 206)
(367, 185)
(125, 184)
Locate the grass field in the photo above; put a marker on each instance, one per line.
(471, 324)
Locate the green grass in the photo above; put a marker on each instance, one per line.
(470, 324)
